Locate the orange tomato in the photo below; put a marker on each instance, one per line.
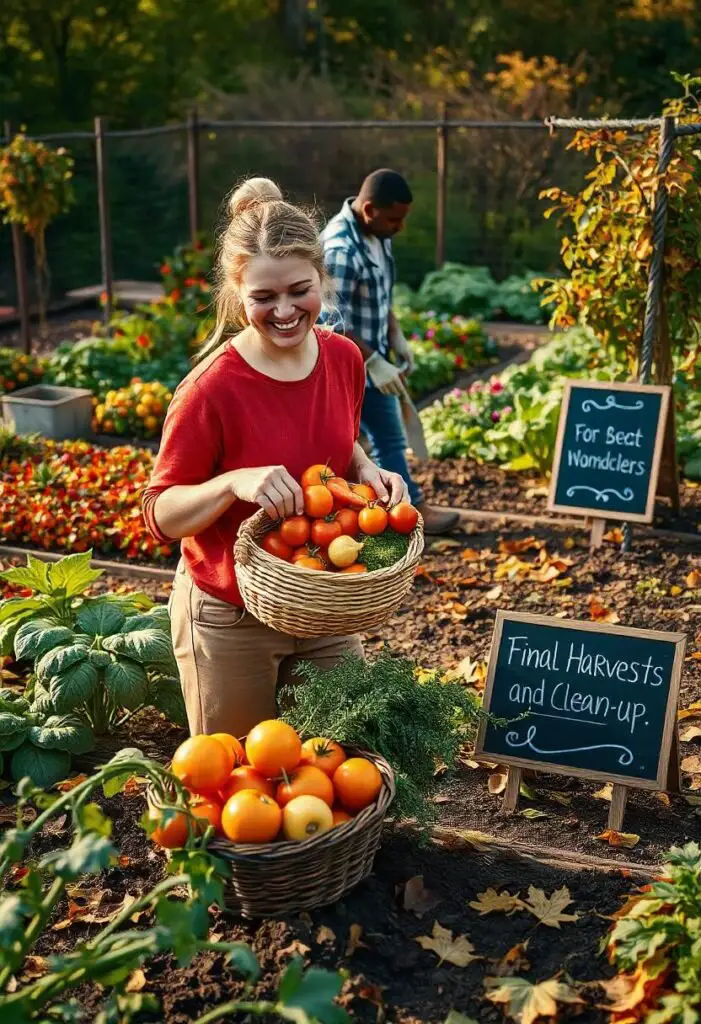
(245, 777)
(372, 520)
(275, 545)
(231, 744)
(324, 531)
(365, 491)
(348, 519)
(318, 501)
(273, 747)
(339, 815)
(209, 812)
(295, 531)
(317, 474)
(354, 569)
(403, 517)
(357, 783)
(306, 551)
(323, 753)
(313, 562)
(172, 835)
(305, 781)
(251, 817)
(202, 764)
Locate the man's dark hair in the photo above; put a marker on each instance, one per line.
(384, 188)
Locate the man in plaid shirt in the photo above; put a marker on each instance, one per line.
(358, 256)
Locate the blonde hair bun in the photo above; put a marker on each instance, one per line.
(253, 192)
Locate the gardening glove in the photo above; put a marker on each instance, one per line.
(402, 348)
(386, 377)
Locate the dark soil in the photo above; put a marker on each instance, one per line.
(69, 325)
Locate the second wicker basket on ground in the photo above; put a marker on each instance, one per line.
(306, 603)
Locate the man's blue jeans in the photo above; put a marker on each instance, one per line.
(381, 421)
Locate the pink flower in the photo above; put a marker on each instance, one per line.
(496, 416)
(475, 387)
(430, 334)
(506, 410)
(496, 387)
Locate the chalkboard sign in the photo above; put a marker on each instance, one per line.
(599, 701)
(608, 449)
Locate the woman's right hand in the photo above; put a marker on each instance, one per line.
(271, 487)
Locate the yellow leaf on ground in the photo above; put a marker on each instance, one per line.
(494, 593)
(675, 591)
(354, 934)
(627, 840)
(691, 712)
(548, 909)
(525, 1002)
(692, 764)
(458, 951)
(515, 547)
(492, 901)
(496, 783)
(691, 732)
(325, 935)
(693, 579)
(470, 555)
(605, 792)
(615, 536)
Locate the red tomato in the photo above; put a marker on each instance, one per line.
(275, 545)
(348, 518)
(318, 501)
(373, 520)
(325, 530)
(295, 531)
(403, 517)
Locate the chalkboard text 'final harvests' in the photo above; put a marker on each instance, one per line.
(573, 660)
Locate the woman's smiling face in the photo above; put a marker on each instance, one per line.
(282, 298)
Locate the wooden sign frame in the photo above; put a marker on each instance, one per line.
(668, 746)
(664, 390)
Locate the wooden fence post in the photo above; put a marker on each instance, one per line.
(19, 254)
(193, 174)
(441, 183)
(104, 211)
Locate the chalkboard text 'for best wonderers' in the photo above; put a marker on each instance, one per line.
(575, 666)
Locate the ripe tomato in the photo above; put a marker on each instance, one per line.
(231, 744)
(202, 764)
(357, 783)
(273, 747)
(323, 753)
(365, 491)
(295, 531)
(251, 817)
(209, 812)
(317, 474)
(348, 518)
(354, 569)
(245, 777)
(306, 816)
(275, 545)
(305, 781)
(403, 517)
(306, 551)
(172, 835)
(373, 520)
(325, 530)
(313, 562)
(318, 501)
(339, 815)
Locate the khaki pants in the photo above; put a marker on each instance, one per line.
(231, 665)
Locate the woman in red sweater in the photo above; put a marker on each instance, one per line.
(271, 395)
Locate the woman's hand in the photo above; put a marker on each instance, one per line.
(271, 487)
(389, 487)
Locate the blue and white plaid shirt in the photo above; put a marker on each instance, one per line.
(363, 288)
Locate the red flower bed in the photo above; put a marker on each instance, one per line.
(71, 496)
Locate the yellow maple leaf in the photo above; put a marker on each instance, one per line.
(491, 901)
(627, 840)
(548, 909)
(458, 951)
(526, 1002)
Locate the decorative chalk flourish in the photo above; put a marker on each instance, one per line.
(512, 739)
(603, 495)
(588, 404)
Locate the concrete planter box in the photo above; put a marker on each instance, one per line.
(56, 412)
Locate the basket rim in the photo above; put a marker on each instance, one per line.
(265, 853)
(247, 552)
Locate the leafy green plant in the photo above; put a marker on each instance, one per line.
(656, 942)
(96, 661)
(457, 289)
(109, 957)
(382, 706)
(433, 369)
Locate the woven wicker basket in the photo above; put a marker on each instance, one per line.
(307, 603)
(269, 879)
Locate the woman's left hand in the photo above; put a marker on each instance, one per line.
(390, 487)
